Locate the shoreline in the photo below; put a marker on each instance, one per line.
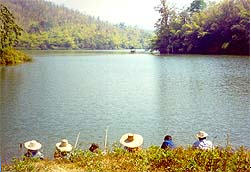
(129, 51)
(152, 158)
(11, 57)
(83, 146)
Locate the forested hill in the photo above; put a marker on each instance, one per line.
(213, 28)
(50, 26)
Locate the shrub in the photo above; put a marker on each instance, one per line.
(150, 159)
(10, 56)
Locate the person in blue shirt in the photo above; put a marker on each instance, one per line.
(168, 143)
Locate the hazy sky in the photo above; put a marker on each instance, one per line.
(131, 12)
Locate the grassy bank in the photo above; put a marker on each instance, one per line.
(150, 159)
(10, 56)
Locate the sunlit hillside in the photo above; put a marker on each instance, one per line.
(49, 26)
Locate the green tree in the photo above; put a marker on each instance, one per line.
(162, 28)
(197, 6)
(9, 30)
(220, 28)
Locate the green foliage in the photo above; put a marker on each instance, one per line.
(9, 33)
(10, 56)
(197, 6)
(9, 30)
(49, 26)
(20, 165)
(150, 159)
(222, 28)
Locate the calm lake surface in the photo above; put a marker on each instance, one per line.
(65, 92)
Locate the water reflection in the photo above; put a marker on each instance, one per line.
(11, 79)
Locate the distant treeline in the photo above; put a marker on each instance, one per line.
(50, 26)
(215, 28)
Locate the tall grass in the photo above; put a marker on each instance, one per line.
(150, 159)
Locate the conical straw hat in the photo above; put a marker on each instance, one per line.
(131, 140)
(201, 134)
(32, 145)
(64, 146)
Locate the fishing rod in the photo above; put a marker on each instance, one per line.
(21, 148)
(76, 141)
(106, 132)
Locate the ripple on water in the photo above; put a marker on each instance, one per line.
(59, 95)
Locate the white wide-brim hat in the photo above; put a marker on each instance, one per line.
(32, 145)
(131, 140)
(201, 134)
(64, 146)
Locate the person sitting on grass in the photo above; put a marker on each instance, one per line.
(132, 142)
(168, 143)
(202, 143)
(63, 150)
(94, 148)
(33, 149)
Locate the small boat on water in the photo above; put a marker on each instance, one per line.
(133, 51)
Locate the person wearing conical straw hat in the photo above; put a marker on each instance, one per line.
(33, 149)
(202, 142)
(131, 142)
(63, 149)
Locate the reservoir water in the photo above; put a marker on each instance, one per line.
(63, 93)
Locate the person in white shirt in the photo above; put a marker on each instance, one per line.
(33, 149)
(202, 143)
(63, 150)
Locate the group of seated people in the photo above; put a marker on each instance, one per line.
(201, 143)
(63, 149)
(131, 142)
